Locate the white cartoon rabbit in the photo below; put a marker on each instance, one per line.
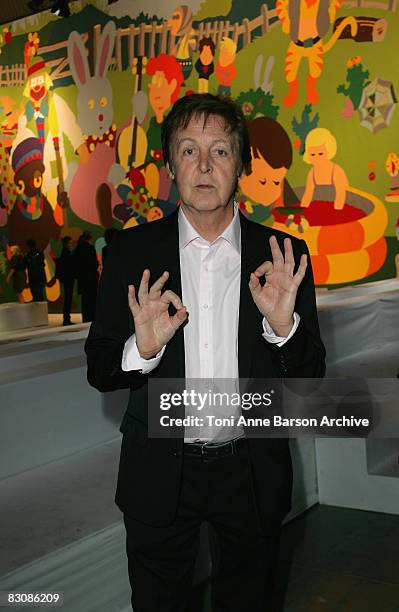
(92, 193)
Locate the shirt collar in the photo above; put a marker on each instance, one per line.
(232, 233)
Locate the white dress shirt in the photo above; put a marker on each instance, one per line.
(210, 279)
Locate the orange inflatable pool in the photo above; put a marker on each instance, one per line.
(345, 245)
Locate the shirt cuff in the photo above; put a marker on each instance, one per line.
(271, 337)
(132, 360)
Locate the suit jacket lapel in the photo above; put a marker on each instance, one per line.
(167, 252)
(253, 253)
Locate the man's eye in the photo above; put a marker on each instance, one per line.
(276, 182)
(188, 151)
(262, 181)
(221, 152)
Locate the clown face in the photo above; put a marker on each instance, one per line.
(37, 87)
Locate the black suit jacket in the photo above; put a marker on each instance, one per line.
(150, 469)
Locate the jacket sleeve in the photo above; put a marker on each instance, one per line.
(113, 325)
(303, 355)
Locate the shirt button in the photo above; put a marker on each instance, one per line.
(206, 345)
(205, 306)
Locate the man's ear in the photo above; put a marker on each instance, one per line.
(240, 173)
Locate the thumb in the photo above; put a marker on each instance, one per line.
(182, 313)
(179, 317)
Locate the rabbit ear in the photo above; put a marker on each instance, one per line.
(77, 58)
(257, 68)
(105, 49)
(267, 85)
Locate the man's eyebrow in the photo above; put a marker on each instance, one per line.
(221, 141)
(179, 142)
(217, 141)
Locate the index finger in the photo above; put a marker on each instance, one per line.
(159, 283)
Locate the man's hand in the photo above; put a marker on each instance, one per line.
(154, 327)
(276, 299)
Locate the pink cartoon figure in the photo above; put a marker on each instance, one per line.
(92, 191)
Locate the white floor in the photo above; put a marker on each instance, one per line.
(90, 574)
(58, 503)
(61, 531)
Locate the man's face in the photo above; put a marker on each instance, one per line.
(265, 183)
(205, 164)
(160, 92)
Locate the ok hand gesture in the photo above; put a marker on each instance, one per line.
(276, 299)
(154, 327)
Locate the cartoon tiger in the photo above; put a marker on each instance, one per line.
(306, 22)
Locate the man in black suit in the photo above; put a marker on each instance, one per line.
(65, 272)
(36, 270)
(86, 271)
(228, 299)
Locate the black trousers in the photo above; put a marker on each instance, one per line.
(68, 293)
(161, 559)
(89, 296)
(37, 290)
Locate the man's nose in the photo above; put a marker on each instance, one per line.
(205, 163)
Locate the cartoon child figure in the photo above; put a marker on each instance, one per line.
(32, 216)
(151, 181)
(9, 125)
(320, 148)
(204, 64)
(164, 89)
(225, 69)
(8, 131)
(271, 158)
(181, 25)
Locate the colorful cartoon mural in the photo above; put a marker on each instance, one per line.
(82, 101)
